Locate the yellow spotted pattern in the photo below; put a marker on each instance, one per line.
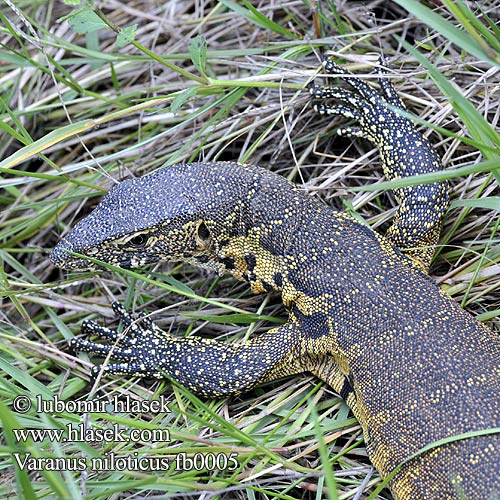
(363, 315)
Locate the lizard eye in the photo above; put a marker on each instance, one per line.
(203, 232)
(138, 240)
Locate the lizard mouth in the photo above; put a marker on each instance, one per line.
(61, 257)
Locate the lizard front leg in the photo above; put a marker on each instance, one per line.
(205, 366)
(404, 152)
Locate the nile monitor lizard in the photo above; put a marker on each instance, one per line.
(363, 315)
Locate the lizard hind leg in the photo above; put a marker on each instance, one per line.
(404, 153)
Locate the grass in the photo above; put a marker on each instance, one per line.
(88, 98)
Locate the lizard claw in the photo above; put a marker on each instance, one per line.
(141, 348)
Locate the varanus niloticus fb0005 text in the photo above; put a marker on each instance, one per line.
(363, 315)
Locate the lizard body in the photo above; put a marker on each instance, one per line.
(363, 316)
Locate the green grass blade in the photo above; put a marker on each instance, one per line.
(255, 16)
(452, 33)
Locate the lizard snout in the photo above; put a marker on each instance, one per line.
(62, 258)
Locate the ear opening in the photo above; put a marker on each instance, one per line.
(202, 233)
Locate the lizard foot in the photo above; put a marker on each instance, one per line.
(371, 110)
(141, 348)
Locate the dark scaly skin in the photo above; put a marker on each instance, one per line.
(404, 152)
(413, 366)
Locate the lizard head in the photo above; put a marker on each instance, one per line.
(180, 212)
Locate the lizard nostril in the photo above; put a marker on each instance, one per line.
(59, 254)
